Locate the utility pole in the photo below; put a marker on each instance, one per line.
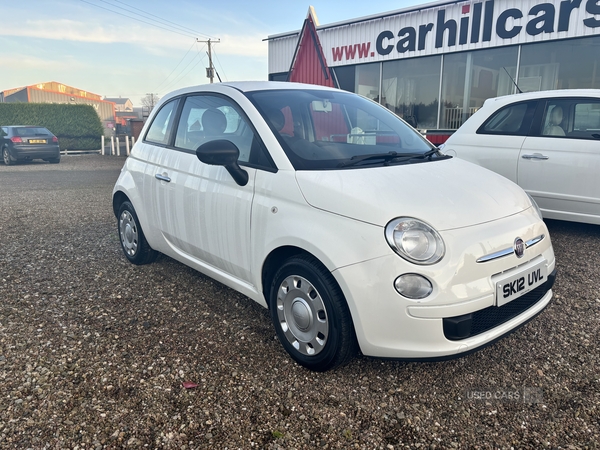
(210, 70)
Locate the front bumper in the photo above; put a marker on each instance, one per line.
(461, 313)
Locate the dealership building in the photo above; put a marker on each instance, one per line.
(54, 92)
(435, 64)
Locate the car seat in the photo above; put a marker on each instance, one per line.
(214, 123)
(553, 128)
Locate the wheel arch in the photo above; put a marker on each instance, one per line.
(276, 258)
(118, 198)
(346, 325)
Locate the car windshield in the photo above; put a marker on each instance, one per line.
(323, 129)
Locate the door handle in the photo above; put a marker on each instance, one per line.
(162, 177)
(535, 156)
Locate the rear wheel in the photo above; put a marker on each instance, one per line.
(6, 157)
(310, 315)
(54, 160)
(133, 242)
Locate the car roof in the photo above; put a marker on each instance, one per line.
(247, 86)
(558, 93)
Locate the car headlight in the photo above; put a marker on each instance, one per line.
(415, 241)
(536, 208)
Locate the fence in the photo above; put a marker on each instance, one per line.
(114, 149)
(455, 117)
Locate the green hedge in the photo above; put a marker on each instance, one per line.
(77, 127)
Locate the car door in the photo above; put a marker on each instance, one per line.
(204, 215)
(560, 163)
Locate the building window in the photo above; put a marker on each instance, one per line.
(366, 81)
(345, 76)
(278, 76)
(471, 78)
(410, 88)
(569, 64)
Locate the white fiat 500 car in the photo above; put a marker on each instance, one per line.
(336, 215)
(546, 142)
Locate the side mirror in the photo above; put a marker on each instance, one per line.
(223, 153)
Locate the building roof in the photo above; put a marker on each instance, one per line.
(117, 100)
(54, 86)
(367, 18)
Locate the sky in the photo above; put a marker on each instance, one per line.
(131, 48)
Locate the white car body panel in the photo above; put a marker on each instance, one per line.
(565, 186)
(561, 177)
(461, 286)
(205, 220)
(400, 189)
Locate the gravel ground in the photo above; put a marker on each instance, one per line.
(94, 350)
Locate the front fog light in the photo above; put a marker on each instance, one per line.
(413, 286)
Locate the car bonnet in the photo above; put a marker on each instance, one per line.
(447, 194)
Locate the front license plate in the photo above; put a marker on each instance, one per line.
(514, 286)
(37, 141)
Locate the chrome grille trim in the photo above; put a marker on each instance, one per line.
(510, 250)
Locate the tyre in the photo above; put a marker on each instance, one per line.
(310, 315)
(6, 157)
(54, 160)
(133, 242)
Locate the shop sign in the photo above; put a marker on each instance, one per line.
(462, 26)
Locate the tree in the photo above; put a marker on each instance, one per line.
(148, 103)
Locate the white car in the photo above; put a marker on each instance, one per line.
(546, 142)
(336, 215)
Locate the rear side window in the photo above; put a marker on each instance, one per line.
(159, 131)
(574, 118)
(511, 120)
(586, 122)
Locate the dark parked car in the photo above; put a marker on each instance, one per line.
(24, 143)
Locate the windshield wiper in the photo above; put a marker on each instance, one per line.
(431, 152)
(390, 157)
(426, 156)
(385, 156)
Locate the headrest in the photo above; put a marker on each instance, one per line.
(276, 117)
(214, 121)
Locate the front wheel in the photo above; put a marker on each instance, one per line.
(6, 157)
(133, 242)
(310, 315)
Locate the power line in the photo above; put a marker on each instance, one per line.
(185, 74)
(135, 18)
(221, 66)
(146, 14)
(172, 83)
(180, 61)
